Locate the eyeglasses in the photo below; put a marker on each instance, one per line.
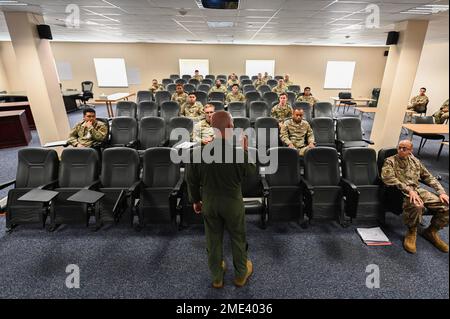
(209, 112)
(404, 149)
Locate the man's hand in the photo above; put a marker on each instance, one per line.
(312, 145)
(88, 124)
(207, 140)
(415, 198)
(80, 146)
(444, 198)
(198, 207)
(291, 146)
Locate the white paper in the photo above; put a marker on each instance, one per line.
(55, 144)
(64, 71)
(185, 145)
(372, 235)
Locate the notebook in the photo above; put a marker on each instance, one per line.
(373, 236)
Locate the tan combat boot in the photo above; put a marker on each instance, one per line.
(410, 240)
(240, 282)
(219, 284)
(432, 235)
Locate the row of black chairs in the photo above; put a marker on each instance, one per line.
(212, 77)
(156, 193)
(203, 96)
(152, 131)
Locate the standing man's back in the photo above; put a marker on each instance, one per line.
(215, 189)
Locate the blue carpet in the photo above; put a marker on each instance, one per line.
(323, 261)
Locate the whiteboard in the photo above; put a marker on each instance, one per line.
(339, 74)
(188, 66)
(253, 67)
(64, 71)
(111, 72)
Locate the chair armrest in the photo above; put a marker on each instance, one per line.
(265, 185)
(307, 186)
(132, 144)
(50, 185)
(94, 185)
(351, 194)
(368, 141)
(135, 188)
(348, 186)
(7, 184)
(177, 188)
(340, 142)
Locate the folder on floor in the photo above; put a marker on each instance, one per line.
(373, 236)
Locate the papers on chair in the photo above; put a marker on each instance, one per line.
(373, 236)
(56, 144)
(185, 145)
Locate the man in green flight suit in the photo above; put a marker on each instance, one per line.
(215, 190)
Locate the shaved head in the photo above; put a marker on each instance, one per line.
(221, 121)
(405, 148)
(407, 143)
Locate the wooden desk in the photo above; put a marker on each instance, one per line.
(14, 129)
(13, 97)
(17, 106)
(112, 99)
(426, 129)
(70, 100)
(362, 99)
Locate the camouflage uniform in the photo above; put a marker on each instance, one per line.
(195, 112)
(198, 77)
(234, 98)
(310, 99)
(266, 78)
(279, 89)
(298, 134)
(418, 103)
(259, 82)
(442, 115)
(157, 88)
(87, 136)
(405, 175)
(202, 130)
(288, 83)
(180, 98)
(222, 89)
(282, 113)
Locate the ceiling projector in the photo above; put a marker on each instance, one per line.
(220, 4)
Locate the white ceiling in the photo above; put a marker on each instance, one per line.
(286, 22)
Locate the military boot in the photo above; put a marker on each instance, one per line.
(219, 284)
(241, 282)
(432, 235)
(410, 240)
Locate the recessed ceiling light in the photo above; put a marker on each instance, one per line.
(220, 24)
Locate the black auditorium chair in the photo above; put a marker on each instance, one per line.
(189, 88)
(248, 88)
(152, 133)
(251, 97)
(211, 77)
(272, 83)
(207, 81)
(169, 110)
(271, 98)
(146, 109)
(294, 88)
(162, 96)
(323, 129)
(218, 105)
(204, 88)
(217, 96)
(181, 81)
(362, 186)
(78, 170)
(174, 77)
(160, 188)
(119, 181)
(241, 122)
(166, 82)
(186, 77)
(349, 134)
(202, 97)
(171, 88)
(123, 132)
(291, 97)
(284, 198)
(322, 185)
(144, 96)
(267, 132)
(246, 82)
(307, 109)
(179, 123)
(258, 109)
(194, 82)
(323, 109)
(36, 168)
(262, 89)
(126, 109)
(237, 109)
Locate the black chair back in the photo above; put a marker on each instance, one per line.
(36, 167)
(78, 167)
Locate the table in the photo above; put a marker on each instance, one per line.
(363, 110)
(426, 129)
(361, 99)
(13, 97)
(19, 106)
(114, 98)
(14, 129)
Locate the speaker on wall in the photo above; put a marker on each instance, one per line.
(392, 38)
(386, 53)
(44, 32)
